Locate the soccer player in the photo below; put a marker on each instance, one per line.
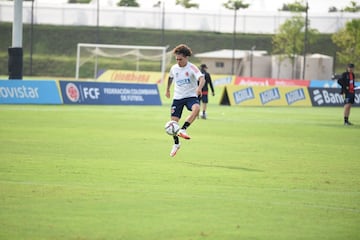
(203, 99)
(347, 83)
(188, 82)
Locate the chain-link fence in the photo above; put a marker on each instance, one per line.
(155, 18)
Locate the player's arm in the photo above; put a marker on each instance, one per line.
(341, 82)
(167, 91)
(201, 81)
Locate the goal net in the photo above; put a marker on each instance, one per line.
(94, 59)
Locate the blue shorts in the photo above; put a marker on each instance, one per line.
(178, 105)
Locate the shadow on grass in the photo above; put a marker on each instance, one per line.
(224, 167)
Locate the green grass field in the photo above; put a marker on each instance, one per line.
(104, 172)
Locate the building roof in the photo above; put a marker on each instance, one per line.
(318, 55)
(228, 54)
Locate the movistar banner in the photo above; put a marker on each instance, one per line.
(324, 84)
(29, 92)
(221, 80)
(109, 93)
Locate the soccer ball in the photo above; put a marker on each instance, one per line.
(172, 128)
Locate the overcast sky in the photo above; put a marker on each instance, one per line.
(315, 6)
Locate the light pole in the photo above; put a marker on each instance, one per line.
(15, 64)
(97, 37)
(97, 21)
(235, 5)
(161, 6)
(163, 24)
(233, 45)
(252, 60)
(31, 36)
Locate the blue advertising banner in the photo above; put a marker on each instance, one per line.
(103, 93)
(29, 92)
(324, 84)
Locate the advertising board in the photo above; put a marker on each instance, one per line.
(330, 97)
(29, 92)
(98, 93)
(265, 96)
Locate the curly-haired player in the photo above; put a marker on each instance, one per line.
(186, 77)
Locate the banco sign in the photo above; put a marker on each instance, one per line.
(329, 97)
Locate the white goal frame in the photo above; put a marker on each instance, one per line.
(134, 47)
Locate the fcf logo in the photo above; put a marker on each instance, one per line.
(72, 92)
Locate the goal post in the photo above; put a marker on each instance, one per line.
(91, 59)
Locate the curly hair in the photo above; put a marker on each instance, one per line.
(182, 49)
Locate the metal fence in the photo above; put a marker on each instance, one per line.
(185, 19)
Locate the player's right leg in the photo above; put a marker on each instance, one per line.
(174, 149)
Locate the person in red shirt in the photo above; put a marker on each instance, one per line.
(347, 83)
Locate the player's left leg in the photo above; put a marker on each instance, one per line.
(176, 112)
(347, 107)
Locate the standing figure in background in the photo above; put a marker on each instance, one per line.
(347, 83)
(205, 90)
(188, 82)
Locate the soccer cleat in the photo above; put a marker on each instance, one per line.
(174, 149)
(348, 123)
(203, 116)
(182, 133)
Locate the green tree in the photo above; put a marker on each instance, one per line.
(235, 5)
(297, 26)
(332, 9)
(187, 4)
(354, 7)
(289, 41)
(128, 3)
(297, 6)
(347, 40)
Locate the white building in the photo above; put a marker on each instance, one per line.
(254, 63)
